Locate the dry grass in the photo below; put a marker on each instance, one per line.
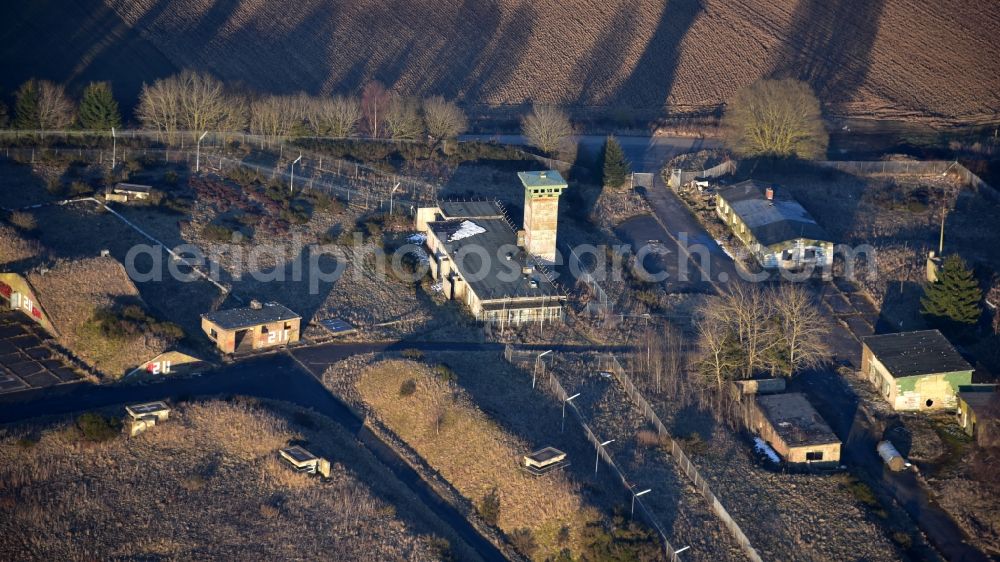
(71, 291)
(441, 423)
(15, 248)
(206, 485)
(646, 55)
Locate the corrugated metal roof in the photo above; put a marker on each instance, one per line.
(238, 318)
(909, 354)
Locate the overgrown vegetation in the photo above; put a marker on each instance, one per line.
(97, 428)
(776, 118)
(132, 320)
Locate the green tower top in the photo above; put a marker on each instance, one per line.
(547, 183)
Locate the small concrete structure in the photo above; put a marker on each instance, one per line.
(304, 461)
(976, 404)
(793, 428)
(915, 370)
(145, 416)
(759, 386)
(544, 457)
(257, 326)
(132, 191)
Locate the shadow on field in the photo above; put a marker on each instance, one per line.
(653, 76)
(829, 46)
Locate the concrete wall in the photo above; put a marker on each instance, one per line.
(272, 334)
(759, 423)
(541, 221)
(914, 393)
(18, 294)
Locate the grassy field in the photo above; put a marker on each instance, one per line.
(207, 484)
(635, 57)
(442, 424)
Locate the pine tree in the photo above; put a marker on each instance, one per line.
(98, 108)
(954, 299)
(26, 106)
(616, 168)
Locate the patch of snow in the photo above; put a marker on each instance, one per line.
(761, 446)
(465, 230)
(422, 256)
(418, 238)
(725, 249)
(437, 287)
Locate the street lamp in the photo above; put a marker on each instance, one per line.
(291, 180)
(598, 459)
(197, 152)
(570, 399)
(114, 148)
(390, 196)
(646, 491)
(535, 371)
(680, 550)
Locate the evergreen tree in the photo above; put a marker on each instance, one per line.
(98, 108)
(26, 106)
(616, 168)
(954, 299)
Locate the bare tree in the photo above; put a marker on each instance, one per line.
(159, 106)
(547, 128)
(718, 357)
(277, 116)
(402, 118)
(334, 117)
(776, 118)
(749, 310)
(802, 332)
(189, 101)
(55, 110)
(444, 119)
(374, 99)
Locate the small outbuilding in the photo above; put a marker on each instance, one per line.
(145, 416)
(794, 429)
(977, 404)
(258, 326)
(132, 191)
(304, 461)
(915, 370)
(544, 460)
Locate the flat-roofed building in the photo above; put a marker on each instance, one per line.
(794, 429)
(777, 230)
(915, 370)
(158, 410)
(475, 254)
(258, 326)
(977, 405)
(304, 461)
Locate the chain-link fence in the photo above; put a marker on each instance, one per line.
(514, 356)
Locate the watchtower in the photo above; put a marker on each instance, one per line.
(541, 212)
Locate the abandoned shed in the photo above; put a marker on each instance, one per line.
(258, 326)
(793, 428)
(304, 461)
(978, 405)
(129, 192)
(479, 258)
(915, 370)
(776, 229)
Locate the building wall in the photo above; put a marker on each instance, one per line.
(272, 334)
(913, 393)
(541, 219)
(17, 294)
(758, 422)
(967, 418)
(771, 256)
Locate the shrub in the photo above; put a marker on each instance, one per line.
(524, 541)
(408, 387)
(440, 549)
(444, 373)
(96, 428)
(414, 354)
(132, 320)
(23, 221)
(79, 188)
(217, 233)
(26, 442)
(489, 507)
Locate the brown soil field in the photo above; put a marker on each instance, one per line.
(207, 484)
(886, 58)
(443, 424)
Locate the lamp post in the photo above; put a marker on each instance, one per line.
(534, 372)
(197, 152)
(114, 148)
(390, 196)
(597, 460)
(680, 550)
(570, 399)
(635, 495)
(291, 179)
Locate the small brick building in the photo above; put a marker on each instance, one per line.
(258, 326)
